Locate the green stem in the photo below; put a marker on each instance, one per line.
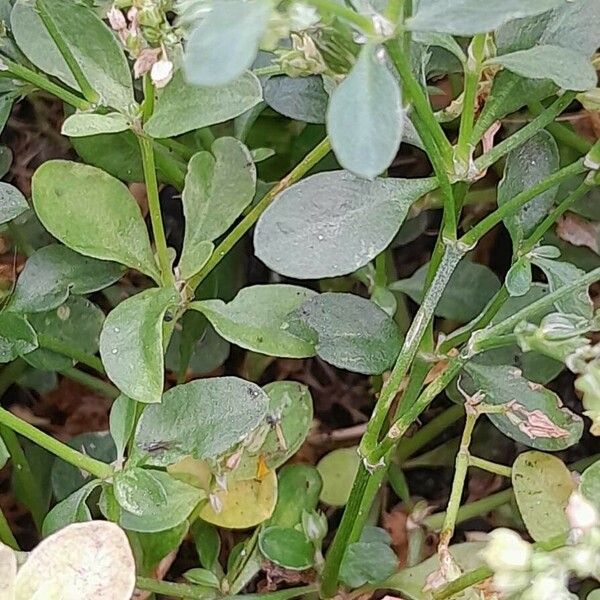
(471, 510)
(93, 383)
(81, 461)
(51, 343)
(41, 82)
(514, 204)
(6, 535)
(175, 590)
(561, 132)
(525, 133)
(24, 476)
(86, 88)
(341, 11)
(490, 467)
(309, 161)
(409, 446)
(464, 146)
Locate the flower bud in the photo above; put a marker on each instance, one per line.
(116, 19)
(581, 513)
(314, 525)
(507, 551)
(161, 73)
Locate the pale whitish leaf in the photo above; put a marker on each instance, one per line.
(244, 504)
(154, 500)
(204, 418)
(183, 107)
(12, 202)
(559, 274)
(365, 116)
(225, 42)
(467, 17)
(8, 572)
(299, 98)
(567, 68)
(349, 332)
(535, 416)
(333, 223)
(131, 343)
(480, 280)
(257, 319)
(122, 418)
(84, 560)
(17, 336)
(525, 167)
(53, 272)
(73, 509)
(218, 186)
(542, 485)
(92, 213)
(82, 124)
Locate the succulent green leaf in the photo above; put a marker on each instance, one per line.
(349, 332)
(53, 272)
(4, 453)
(12, 202)
(454, 304)
(367, 562)
(519, 277)
(287, 548)
(225, 42)
(73, 509)
(542, 485)
(257, 319)
(183, 107)
(17, 336)
(468, 17)
(332, 224)
(92, 213)
(131, 343)
(204, 418)
(590, 484)
(365, 117)
(218, 187)
(338, 469)
(123, 414)
(299, 98)
(534, 415)
(84, 124)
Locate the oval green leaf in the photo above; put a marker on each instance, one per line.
(287, 548)
(83, 124)
(12, 202)
(338, 470)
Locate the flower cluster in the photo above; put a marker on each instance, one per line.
(146, 32)
(524, 572)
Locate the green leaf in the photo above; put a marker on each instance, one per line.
(542, 485)
(72, 509)
(218, 187)
(77, 322)
(122, 420)
(287, 548)
(92, 213)
(53, 272)
(202, 577)
(67, 479)
(12, 202)
(257, 319)
(349, 332)
(289, 418)
(225, 42)
(153, 547)
(153, 500)
(207, 542)
(365, 116)
(525, 167)
(367, 562)
(559, 274)
(332, 224)
(454, 304)
(4, 453)
(299, 98)
(17, 336)
(568, 69)
(441, 40)
(299, 487)
(204, 418)
(244, 504)
(534, 415)
(338, 470)
(183, 107)
(131, 343)
(83, 124)
(590, 484)
(519, 277)
(468, 17)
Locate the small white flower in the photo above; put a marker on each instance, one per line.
(507, 551)
(581, 513)
(161, 72)
(302, 16)
(116, 19)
